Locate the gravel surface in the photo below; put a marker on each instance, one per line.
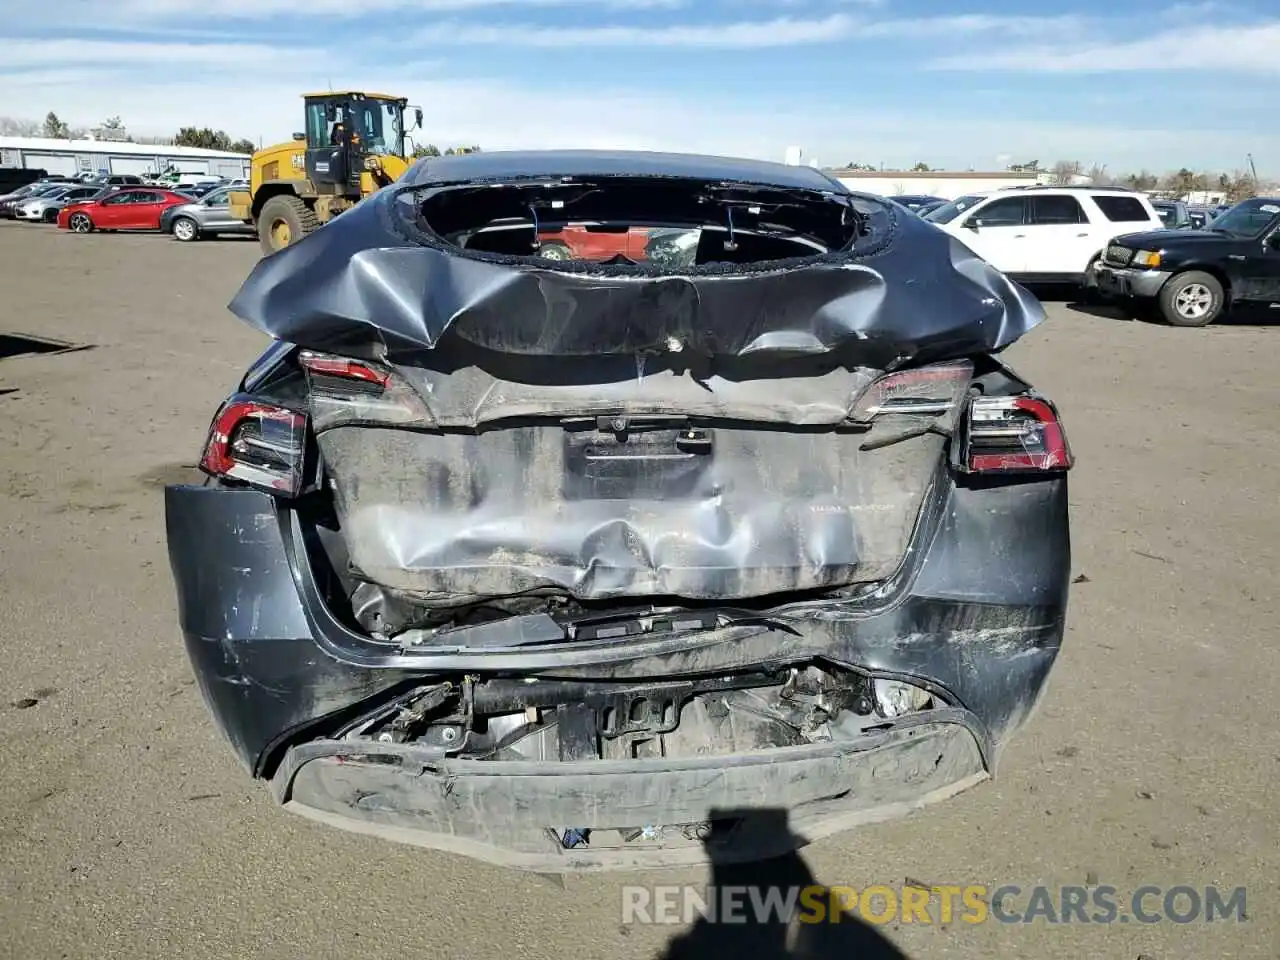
(128, 830)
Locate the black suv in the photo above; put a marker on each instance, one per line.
(1195, 276)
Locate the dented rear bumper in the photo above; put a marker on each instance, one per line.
(729, 808)
(975, 615)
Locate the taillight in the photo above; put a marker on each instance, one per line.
(1014, 435)
(344, 369)
(347, 391)
(258, 443)
(934, 391)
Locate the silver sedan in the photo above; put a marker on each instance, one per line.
(206, 217)
(44, 208)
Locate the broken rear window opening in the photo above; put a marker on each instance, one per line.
(671, 224)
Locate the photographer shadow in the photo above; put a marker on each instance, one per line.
(771, 937)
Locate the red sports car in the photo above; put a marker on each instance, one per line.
(600, 244)
(134, 209)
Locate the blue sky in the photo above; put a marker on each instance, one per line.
(970, 84)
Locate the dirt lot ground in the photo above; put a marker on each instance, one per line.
(127, 830)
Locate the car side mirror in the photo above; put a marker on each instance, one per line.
(299, 136)
(1273, 241)
(973, 224)
(417, 116)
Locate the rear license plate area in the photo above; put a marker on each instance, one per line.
(642, 458)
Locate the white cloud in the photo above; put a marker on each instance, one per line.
(1253, 48)
(742, 35)
(514, 116)
(1197, 10)
(251, 88)
(976, 24)
(145, 13)
(78, 53)
(747, 34)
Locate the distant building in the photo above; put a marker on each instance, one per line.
(934, 183)
(69, 157)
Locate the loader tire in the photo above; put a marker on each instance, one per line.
(284, 220)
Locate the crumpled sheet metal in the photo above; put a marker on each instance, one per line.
(788, 500)
(470, 396)
(366, 282)
(454, 517)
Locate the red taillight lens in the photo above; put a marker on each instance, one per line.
(343, 368)
(258, 443)
(1014, 435)
(346, 391)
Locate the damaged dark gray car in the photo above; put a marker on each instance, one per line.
(588, 503)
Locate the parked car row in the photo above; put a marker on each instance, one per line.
(1045, 234)
(1160, 256)
(129, 209)
(1118, 244)
(83, 207)
(43, 205)
(1194, 277)
(50, 189)
(918, 204)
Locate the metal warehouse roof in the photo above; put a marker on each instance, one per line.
(117, 147)
(934, 174)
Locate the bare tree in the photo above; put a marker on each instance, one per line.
(1065, 172)
(1237, 186)
(1179, 183)
(18, 127)
(921, 167)
(1098, 176)
(1143, 180)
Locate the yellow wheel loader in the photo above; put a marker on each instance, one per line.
(354, 144)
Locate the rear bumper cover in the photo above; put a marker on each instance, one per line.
(512, 813)
(976, 614)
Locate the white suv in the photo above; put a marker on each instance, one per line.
(1045, 234)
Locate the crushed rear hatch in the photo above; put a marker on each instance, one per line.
(703, 416)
